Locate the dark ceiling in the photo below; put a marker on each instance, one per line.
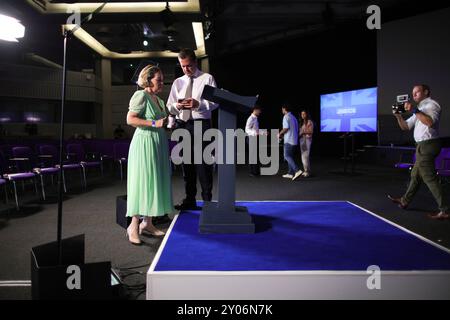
(127, 37)
(241, 24)
(229, 26)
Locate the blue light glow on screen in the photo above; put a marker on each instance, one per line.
(349, 111)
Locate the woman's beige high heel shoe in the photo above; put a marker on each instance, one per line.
(133, 237)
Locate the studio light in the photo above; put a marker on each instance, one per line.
(145, 43)
(10, 29)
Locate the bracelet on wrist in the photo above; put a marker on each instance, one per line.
(153, 123)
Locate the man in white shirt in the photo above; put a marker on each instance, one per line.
(186, 104)
(425, 121)
(252, 130)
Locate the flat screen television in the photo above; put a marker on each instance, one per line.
(349, 111)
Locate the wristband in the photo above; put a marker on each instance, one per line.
(415, 110)
(153, 123)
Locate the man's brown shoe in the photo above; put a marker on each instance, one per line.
(439, 216)
(398, 201)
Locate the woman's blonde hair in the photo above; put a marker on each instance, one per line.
(147, 74)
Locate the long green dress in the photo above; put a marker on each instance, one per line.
(149, 175)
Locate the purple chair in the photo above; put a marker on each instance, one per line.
(404, 162)
(49, 154)
(76, 154)
(440, 162)
(443, 169)
(13, 176)
(444, 173)
(5, 149)
(3, 184)
(31, 164)
(121, 155)
(101, 150)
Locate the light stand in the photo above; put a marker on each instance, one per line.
(58, 269)
(67, 34)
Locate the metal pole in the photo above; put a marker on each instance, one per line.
(353, 153)
(67, 34)
(61, 153)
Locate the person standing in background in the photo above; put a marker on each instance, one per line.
(305, 135)
(290, 135)
(252, 131)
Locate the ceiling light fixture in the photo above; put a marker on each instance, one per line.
(167, 16)
(46, 6)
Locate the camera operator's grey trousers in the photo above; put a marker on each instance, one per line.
(424, 171)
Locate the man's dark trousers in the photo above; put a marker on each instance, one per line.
(203, 170)
(424, 171)
(255, 168)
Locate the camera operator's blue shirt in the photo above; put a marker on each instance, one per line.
(291, 123)
(421, 131)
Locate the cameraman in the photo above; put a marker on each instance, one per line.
(425, 120)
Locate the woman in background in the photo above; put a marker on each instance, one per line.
(149, 191)
(305, 134)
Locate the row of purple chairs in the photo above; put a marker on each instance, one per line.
(442, 163)
(24, 164)
(41, 159)
(46, 162)
(104, 150)
(105, 147)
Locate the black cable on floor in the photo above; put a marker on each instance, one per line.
(135, 267)
(139, 293)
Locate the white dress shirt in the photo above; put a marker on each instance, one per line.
(252, 125)
(421, 131)
(178, 91)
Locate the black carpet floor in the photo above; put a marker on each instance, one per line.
(92, 212)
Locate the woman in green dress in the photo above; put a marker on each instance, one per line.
(149, 191)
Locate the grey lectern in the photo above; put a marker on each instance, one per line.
(224, 216)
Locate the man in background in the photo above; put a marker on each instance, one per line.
(252, 131)
(289, 133)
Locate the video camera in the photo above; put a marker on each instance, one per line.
(399, 106)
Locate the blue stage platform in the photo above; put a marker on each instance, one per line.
(301, 250)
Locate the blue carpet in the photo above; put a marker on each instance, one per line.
(300, 236)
